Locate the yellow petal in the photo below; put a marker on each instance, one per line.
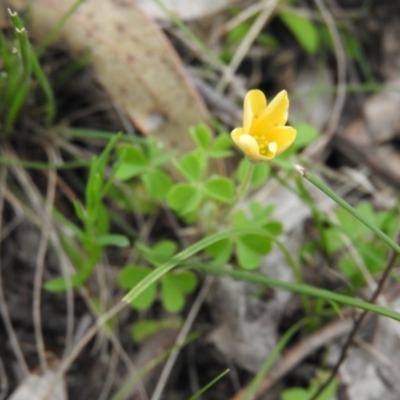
(255, 104)
(274, 115)
(283, 136)
(271, 151)
(235, 135)
(247, 144)
(273, 148)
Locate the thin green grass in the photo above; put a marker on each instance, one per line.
(255, 383)
(298, 288)
(210, 384)
(21, 66)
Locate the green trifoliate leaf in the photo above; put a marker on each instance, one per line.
(220, 188)
(184, 198)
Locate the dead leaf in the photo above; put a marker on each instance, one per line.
(42, 385)
(382, 113)
(183, 9)
(391, 48)
(373, 374)
(132, 60)
(35, 387)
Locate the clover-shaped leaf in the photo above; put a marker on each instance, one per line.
(173, 285)
(157, 183)
(220, 188)
(184, 198)
(247, 258)
(133, 162)
(220, 251)
(201, 135)
(248, 248)
(129, 277)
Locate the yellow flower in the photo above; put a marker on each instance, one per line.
(263, 135)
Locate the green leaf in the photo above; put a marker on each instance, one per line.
(56, 285)
(79, 210)
(306, 394)
(103, 219)
(374, 257)
(184, 198)
(240, 219)
(141, 330)
(306, 134)
(166, 248)
(134, 162)
(220, 188)
(221, 251)
(186, 281)
(78, 232)
(220, 147)
(260, 174)
(201, 135)
(352, 226)
(274, 228)
(172, 297)
(60, 284)
(93, 193)
(257, 243)
(190, 166)
(303, 29)
(129, 277)
(158, 254)
(247, 257)
(237, 33)
(112, 240)
(157, 183)
(260, 212)
(267, 40)
(295, 394)
(349, 269)
(333, 240)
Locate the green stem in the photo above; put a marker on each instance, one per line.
(298, 288)
(213, 382)
(184, 255)
(242, 190)
(245, 184)
(330, 193)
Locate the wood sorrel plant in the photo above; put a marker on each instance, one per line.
(253, 112)
(19, 70)
(210, 200)
(244, 236)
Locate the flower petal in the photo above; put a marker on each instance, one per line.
(273, 116)
(247, 144)
(235, 134)
(283, 136)
(255, 105)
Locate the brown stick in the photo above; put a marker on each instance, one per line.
(296, 354)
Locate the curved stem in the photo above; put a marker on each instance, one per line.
(330, 193)
(242, 190)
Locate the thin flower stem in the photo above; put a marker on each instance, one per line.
(244, 186)
(242, 190)
(330, 193)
